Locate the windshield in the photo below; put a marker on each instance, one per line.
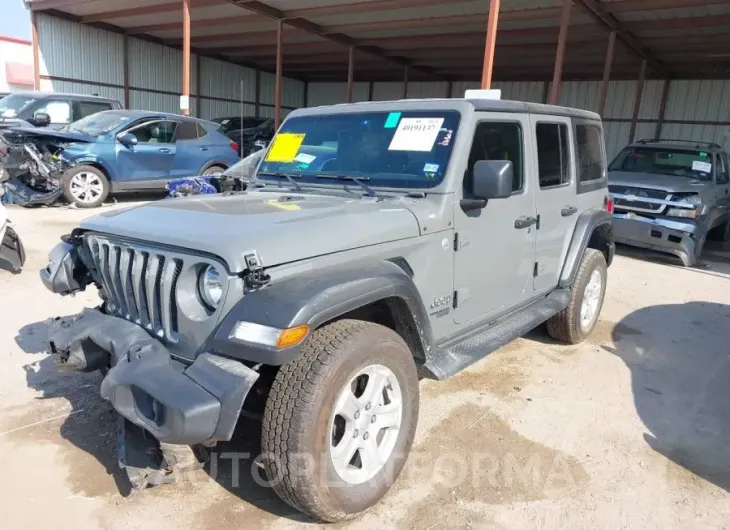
(14, 104)
(409, 149)
(99, 123)
(662, 161)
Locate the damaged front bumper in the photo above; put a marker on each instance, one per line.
(176, 403)
(678, 238)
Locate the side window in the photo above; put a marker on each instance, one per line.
(590, 152)
(201, 131)
(498, 141)
(723, 176)
(58, 110)
(155, 132)
(87, 108)
(187, 130)
(553, 154)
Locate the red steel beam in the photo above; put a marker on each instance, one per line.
(350, 72)
(662, 109)
(279, 72)
(125, 69)
(198, 88)
(606, 72)
(36, 51)
(560, 53)
(490, 43)
(144, 10)
(186, 54)
(241, 22)
(637, 102)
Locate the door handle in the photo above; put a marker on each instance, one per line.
(525, 222)
(205, 148)
(568, 211)
(165, 150)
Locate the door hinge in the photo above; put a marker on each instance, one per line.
(456, 299)
(537, 225)
(534, 270)
(456, 241)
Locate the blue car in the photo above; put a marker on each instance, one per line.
(125, 150)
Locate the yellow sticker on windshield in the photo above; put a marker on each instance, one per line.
(284, 147)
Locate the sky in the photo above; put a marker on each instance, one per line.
(15, 20)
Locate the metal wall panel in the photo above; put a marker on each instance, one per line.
(48, 85)
(292, 94)
(76, 51)
(157, 67)
(334, 93)
(718, 134)
(226, 80)
(620, 99)
(460, 87)
(211, 108)
(616, 135)
(531, 91)
(387, 91)
(699, 100)
(425, 90)
(142, 100)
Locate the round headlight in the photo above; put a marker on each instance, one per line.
(210, 287)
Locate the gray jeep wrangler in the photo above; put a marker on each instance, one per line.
(669, 195)
(378, 243)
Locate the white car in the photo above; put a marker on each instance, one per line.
(12, 253)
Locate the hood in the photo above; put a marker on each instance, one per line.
(280, 227)
(6, 123)
(59, 136)
(668, 183)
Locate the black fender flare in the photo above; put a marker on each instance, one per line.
(588, 222)
(315, 298)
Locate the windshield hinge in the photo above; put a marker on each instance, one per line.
(255, 276)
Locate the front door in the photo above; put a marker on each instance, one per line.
(147, 164)
(494, 254)
(556, 197)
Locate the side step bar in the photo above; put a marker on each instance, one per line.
(452, 357)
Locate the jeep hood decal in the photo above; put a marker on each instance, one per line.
(281, 227)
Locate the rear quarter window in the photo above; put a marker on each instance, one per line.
(590, 157)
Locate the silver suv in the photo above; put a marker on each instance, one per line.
(377, 242)
(669, 195)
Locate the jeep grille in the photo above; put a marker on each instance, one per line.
(139, 285)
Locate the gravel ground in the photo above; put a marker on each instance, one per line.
(629, 430)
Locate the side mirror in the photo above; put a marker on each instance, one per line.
(492, 179)
(41, 119)
(127, 138)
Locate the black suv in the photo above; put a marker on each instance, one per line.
(50, 109)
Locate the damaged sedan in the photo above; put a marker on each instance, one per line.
(110, 152)
(670, 195)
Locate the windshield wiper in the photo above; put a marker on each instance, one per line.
(288, 176)
(357, 180)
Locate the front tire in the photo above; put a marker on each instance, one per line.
(574, 323)
(85, 186)
(339, 421)
(213, 170)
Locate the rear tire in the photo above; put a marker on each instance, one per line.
(574, 323)
(85, 186)
(722, 232)
(353, 391)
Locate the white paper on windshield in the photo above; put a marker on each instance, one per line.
(305, 158)
(704, 167)
(416, 134)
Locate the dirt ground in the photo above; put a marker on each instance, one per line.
(629, 430)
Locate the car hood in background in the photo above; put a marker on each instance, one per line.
(60, 136)
(280, 227)
(667, 183)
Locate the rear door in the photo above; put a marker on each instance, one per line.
(147, 164)
(494, 250)
(192, 152)
(556, 198)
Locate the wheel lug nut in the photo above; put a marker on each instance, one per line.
(356, 434)
(366, 436)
